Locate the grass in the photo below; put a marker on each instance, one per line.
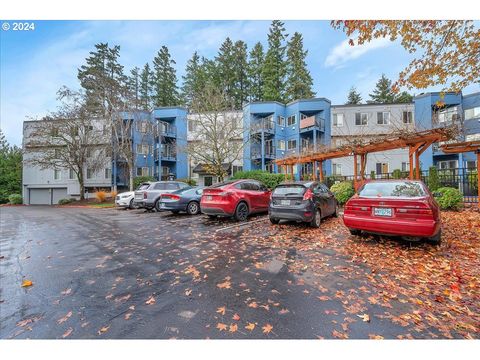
(103, 205)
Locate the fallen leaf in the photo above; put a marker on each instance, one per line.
(150, 301)
(253, 305)
(128, 316)
(233, 328)
(339, 335)
(67, 333)
(266, 307)
(221, 310)
(188, 292)
(364, 317)
(66, 291)
(221, 327)
(27, 283)
(236, 317)
(284, 311)
(250, 326)
(375, 337)
(103, 329)
(267, 328)
(324, 298)
(65, 318)
(224, 285)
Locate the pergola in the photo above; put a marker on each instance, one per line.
(463, 147)
(416, 142)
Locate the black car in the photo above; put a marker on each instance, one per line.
(186, 199)
(306, 201)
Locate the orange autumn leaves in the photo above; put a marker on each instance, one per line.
(234, 326)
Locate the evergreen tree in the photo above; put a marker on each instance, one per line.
(146, 88)
(10, 169)
(403, 97)
(299, 81)
(165, 78)
(133, 84)
(241, 88)
(382, 94)
(275, 68)
(255, 65)
(354, 96)
(192, 80)
(102, 78)
(226, 68)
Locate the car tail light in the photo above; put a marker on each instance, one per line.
(308, 195)
(144, 195)
(171, 196)
(224, 193)
(412, 211)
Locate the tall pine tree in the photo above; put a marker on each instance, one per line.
(133, 84)
(241, 88)
(165, 78)
(382, 94)
(353, 97)
(299, 81)
(275, 68)
(403, 97)
(192, 80)
(146, 88)
(226, 68)
(255, 66)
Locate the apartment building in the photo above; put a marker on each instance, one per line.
(356, 124)
(274, 130)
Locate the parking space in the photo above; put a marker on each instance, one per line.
(109, 273)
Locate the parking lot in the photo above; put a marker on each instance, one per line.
(109, 273)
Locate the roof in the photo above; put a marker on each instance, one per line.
(372, 104)
(202, 168)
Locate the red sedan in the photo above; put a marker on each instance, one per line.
(238, 198)
(394, 207)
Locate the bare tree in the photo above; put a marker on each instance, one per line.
(217, 138)
(70, 138)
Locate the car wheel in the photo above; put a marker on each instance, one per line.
(335, 212)
(157, 206)
(193, 208)
(354, 232)
(437, 239)
(274, 221)
(241, 212)
(317, 219)
(131, 206)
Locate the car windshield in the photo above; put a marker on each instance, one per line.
(225, 183)
(289, 190)
(392, 189)
(143, 187)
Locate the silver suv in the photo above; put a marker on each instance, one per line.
(148, 198)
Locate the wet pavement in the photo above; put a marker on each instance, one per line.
(109, 273)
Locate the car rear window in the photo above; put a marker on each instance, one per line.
(143, 187)
(183, 190)
(392, 189)
(225, 183)
(289, 190)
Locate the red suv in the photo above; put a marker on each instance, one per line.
(394, 207)
(238, 198)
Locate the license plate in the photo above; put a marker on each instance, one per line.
(382, 211)
(208, 197)
(284, 202)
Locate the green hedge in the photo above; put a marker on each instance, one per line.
(269, 180)
(433, 181)
(141, 179)
(15, 199)
(190, 182)
(450, 199)
(65, 201)
(343, 191)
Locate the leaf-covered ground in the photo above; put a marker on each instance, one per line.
(128, 274)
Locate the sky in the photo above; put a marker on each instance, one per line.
(35, 64)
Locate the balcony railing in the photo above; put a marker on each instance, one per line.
(169, 153)
(312, 122)
(263, 125)
(166, 129)
(269, 152)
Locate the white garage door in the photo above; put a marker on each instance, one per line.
(59, 193)
(40, 197)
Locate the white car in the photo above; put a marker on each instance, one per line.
(125, 199)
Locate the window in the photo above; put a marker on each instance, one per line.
(208, 181)
(382, 168)
(281, 144)
(448, 115)
(303, 116)
(236, 168)
(383, 118)
(336, 169)
(269, 167)
(361, 119)
(192, 125)
(407, 117)
(471, 165)
(142, 126)
(54, 132)
(57, 174)
(71, 174)
(57, 153)
(447, 164)
(90, 173)
(74, 131)
(405, 166)
(108, 173)
(337, 120)
(472, 137)
(392, 189)
(143, 149)
(291, 144)
(281, 121)
(472, 113)
(142, 171)
(291, 120)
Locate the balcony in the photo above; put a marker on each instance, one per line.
(263, 125)
(256, 152)
(166, 129)
(312, 122)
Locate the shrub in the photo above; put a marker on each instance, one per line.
(266, 178)
(372, 175)
(450, 199)
(112, 194)
(65, 201)
(101, 196)
(190, 181)
(15, 199)
(433, 182)
(472, 178)
(343, 191)
(397, 174)
(141, 179)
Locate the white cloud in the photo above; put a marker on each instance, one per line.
(344, 52)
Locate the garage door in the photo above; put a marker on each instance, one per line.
(57, 194)
(40, 197)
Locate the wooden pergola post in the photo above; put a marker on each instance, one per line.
(363, 164)
(478, 178)
(320, 170)
(314, 166)
(355, 171)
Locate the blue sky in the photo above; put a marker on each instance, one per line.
(35, 64)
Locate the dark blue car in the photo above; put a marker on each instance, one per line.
(186, 199)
